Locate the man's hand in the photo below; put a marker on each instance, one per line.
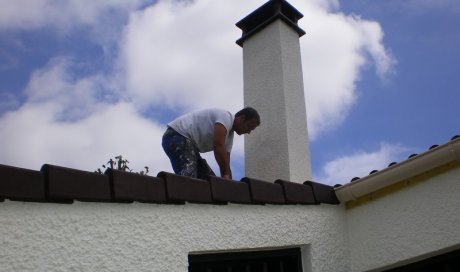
(220, 153)
(227, 176)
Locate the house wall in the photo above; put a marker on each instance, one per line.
(417, 222)
(88, 236)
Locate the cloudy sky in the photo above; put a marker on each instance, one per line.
(84, 81)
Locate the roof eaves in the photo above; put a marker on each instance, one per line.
(416, 165)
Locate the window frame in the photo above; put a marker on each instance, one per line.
(226, 260)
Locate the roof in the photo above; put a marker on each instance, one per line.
(57, 184)
(438, 158)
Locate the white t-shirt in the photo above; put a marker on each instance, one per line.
(198, 126)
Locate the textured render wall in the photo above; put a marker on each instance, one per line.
(151, 237)
(399, 227)
(273, 84)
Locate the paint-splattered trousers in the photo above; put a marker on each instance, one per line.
(184, 156)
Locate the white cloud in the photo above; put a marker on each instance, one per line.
(174, 54)
(25, 14)
(184, 56)
(100, 22)
(335, 51)
(8, 102)
(77, 97)
(86, 144)
(342, 169)
(34, 137)
(65, 122)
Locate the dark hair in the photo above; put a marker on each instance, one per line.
(249, 113)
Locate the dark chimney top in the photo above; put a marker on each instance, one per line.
(269, 12)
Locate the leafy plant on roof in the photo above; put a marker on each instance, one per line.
(120, 164)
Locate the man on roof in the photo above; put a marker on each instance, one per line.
(203, 131)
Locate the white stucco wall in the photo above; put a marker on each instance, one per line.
(273, 84)
(417, 221)
(152, 237)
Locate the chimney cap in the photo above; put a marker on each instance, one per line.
(267, 13)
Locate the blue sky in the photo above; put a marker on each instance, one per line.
(83, 82)
(416, 105)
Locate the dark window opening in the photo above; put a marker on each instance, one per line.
(448, 262)
(279, 260)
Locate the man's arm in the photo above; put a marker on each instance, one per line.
(220, 153)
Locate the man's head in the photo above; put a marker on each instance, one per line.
(246, 120)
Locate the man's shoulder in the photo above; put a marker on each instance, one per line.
(214, 113)
(218, 110)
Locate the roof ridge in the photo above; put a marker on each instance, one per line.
(58, 184)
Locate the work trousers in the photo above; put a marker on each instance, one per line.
(184, 156)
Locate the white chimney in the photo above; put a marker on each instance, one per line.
(273, 84)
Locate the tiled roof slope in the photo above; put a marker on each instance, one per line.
(56, 184)
(392, 164)
(397, 176)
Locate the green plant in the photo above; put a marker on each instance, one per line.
(120, 164)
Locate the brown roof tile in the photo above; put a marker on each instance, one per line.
(323, 193)
(263, 192)
(181, 189)
(21, 184)
(223, 190)
(57, 184)
(297, 193)
(66, 184)
(129, 187)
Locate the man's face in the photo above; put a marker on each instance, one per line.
(246, 126)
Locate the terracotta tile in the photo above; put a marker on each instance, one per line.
(323, 193)
(64, 184)
(297, 193)
(223, 190)
(265, 192)
(128, 187)
(21, 184)
(181, 188)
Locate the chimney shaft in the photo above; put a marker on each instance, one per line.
(273, 84)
